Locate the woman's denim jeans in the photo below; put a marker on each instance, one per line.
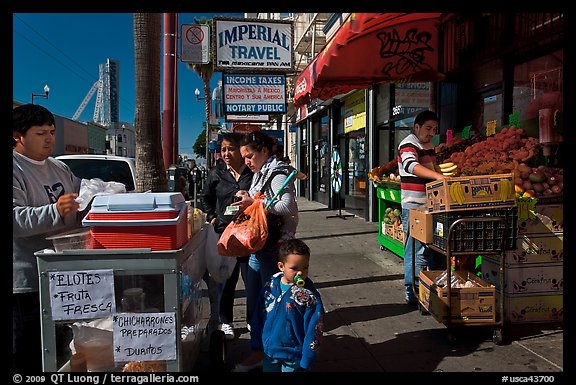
(261, 266)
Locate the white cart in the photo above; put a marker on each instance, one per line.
(171, 279)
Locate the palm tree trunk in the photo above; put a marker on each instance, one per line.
(149, 158)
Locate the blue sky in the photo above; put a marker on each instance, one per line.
(64, 50)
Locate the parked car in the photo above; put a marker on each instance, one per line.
(109, 168)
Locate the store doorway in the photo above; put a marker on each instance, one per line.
(304, 166)
(321, 172)
(355, 171)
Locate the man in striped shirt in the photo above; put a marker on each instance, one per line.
(416, 160)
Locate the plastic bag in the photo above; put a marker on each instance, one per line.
(247, 233)
(219, 267)
(89, 188)
(95, 341)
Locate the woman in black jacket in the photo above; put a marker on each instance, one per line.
(222, 183)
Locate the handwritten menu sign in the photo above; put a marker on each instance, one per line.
(144, 336)
(81, 294)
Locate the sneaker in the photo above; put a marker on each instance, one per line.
(228, 330)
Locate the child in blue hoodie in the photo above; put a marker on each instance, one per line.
(289, 302)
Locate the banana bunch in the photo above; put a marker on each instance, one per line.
(456, 192)
(505, 189)
(448, 169)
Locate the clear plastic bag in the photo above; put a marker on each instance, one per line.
(219, 267)
(89, 188)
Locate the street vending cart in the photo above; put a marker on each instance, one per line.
(149, 298)
(456, 225)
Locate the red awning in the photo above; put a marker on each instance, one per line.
(372, 48)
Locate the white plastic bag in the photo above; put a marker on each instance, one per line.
(89, 188)
(219, 267)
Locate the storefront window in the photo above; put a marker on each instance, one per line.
(357, 163)
(321, 156)
(492, 116)
(537, 86)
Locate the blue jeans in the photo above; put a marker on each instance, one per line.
(261, 266)
(273, 365)
(423, 257)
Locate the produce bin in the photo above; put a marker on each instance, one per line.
(389, 197)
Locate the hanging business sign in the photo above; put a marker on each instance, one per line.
(195, 43)
(251, 44)
(254, 94)
(247, 118)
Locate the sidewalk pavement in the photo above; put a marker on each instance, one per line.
(368, 326)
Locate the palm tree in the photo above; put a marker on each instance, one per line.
(205, 71)
(150, 171)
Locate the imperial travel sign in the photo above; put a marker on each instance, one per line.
(252, 44)
(254, 94)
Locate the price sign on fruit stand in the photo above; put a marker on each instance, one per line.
(514, 119)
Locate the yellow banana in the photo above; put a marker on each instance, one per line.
(451, 189)
(449, 169)
(458, 196)
(446, 165)
(449, 173)
(460, 193)
(505, 189)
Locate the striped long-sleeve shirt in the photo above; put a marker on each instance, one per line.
(411, 153)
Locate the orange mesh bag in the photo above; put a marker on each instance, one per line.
(247, 233)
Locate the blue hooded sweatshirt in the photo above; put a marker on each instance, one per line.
(288, 326)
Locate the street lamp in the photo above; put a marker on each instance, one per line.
(44, 95)
(197, 93)
(208, 162)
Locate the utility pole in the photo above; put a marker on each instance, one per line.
(168, 95)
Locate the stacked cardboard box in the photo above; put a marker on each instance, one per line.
(533, 276)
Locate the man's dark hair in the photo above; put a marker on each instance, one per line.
(28, 115)
(425, 116)
(292, 246)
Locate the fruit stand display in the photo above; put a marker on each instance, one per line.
(528, 280)
(387, 182)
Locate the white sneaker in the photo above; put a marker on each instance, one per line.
(228, 330)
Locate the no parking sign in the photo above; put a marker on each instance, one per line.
(195, 43)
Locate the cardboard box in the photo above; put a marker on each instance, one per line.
(545, 219)
(532, 308)
(389, 230)
(471, 192)
(533, 249)
(421, 225)
(468, 305)
(546, 278)
(399, 235)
